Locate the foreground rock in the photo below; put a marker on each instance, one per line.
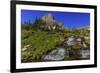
(79, 49)
(75, 42)
(73, 48)
(55, 55)
(85, 53)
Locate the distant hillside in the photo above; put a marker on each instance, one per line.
(85, 27)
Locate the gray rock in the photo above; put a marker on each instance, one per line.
(75, 41)
(71, 41)
(85, 53)
(55, 55)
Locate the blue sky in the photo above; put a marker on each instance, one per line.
(70, 19)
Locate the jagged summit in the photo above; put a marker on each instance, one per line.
(49, 23)
(48, 19)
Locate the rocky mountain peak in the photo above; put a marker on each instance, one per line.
(50, 22)
(48, 19)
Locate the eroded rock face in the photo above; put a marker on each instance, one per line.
(55, 55)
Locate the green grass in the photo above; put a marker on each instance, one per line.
(41, 42)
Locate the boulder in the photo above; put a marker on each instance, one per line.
(55, 55)
(75, 42)
(71, 41)
(85, 53)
